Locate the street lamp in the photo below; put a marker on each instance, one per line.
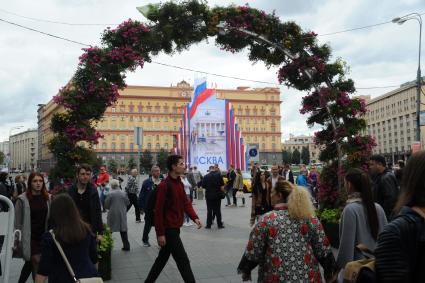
(308, 72)
(10, 145)
(400, 21)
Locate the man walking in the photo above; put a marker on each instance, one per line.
(171, 204)
(213, 184)
(148, 186)
(385, 186)
(231, 175)
(86, 198)
(132, 190)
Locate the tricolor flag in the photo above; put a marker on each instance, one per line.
(200, 94)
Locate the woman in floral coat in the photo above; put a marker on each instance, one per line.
(288, 243)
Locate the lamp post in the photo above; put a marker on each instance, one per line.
(308, 72)
(400, 21)
(10, 145)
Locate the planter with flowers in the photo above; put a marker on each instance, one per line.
(104, 251)
(329, 217)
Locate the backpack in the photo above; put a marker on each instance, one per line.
(362, 270)
(151, 202)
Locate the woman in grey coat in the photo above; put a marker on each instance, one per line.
(117, 202)
(32, 211)
(361, 220)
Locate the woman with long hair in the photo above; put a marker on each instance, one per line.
(238, 187)
(400, 251)
(76, 240)
(261, 202)
(288, 243)
(31, 218)
(361, 220)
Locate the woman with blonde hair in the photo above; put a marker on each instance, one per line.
(288, 243)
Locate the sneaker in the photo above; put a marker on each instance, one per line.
(221, 227)
(207, 227)
(146, 244)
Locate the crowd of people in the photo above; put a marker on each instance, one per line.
(384, 211)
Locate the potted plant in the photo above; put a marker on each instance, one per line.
(329, 217)
(104, 249)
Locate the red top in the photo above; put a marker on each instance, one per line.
(176, 204)
(102, 179)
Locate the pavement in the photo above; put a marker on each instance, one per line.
(214, 254)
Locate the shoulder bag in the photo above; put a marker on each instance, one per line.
(68, 266)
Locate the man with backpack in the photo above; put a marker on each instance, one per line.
(170, 205)
(148, 187)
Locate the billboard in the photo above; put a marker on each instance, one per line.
(208, 135)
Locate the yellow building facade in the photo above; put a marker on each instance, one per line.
(158, 110)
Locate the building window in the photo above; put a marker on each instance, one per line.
(104, 145)
(113, 146)
(122, 146)
(149, 146)
(114, 137)
(113, 109)
(131, 108)
(131, 146)
(158, 146)
(140, 108)
(157, 137)
(166, 146)
(122, 108)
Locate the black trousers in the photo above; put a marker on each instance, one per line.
(214, 208)
(134, 201)
(146, 229)
(173, 246)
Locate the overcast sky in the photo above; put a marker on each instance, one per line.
(35, 66)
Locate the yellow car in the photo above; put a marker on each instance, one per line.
(247, 187)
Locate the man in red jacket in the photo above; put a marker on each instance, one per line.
(171, 203)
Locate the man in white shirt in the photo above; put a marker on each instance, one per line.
(275, 175)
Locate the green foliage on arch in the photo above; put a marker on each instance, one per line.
(175, 27)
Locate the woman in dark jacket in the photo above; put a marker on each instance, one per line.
(261, 201)
(76, 239)
(400, 252)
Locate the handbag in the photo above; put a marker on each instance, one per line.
(362, 270)
(68, 266)
(240, 194)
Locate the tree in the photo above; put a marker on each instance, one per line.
(296, 157)
(161, 159)
(112, 166)
(146, 161)
(286, 157)
(305, 155)
(1, 157)
(132, 163)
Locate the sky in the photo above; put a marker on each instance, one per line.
(34, 66)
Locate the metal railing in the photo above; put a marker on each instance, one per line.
(6, 251)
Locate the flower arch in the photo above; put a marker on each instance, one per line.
(175, 27)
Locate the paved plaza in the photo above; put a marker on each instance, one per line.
(214, 254)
